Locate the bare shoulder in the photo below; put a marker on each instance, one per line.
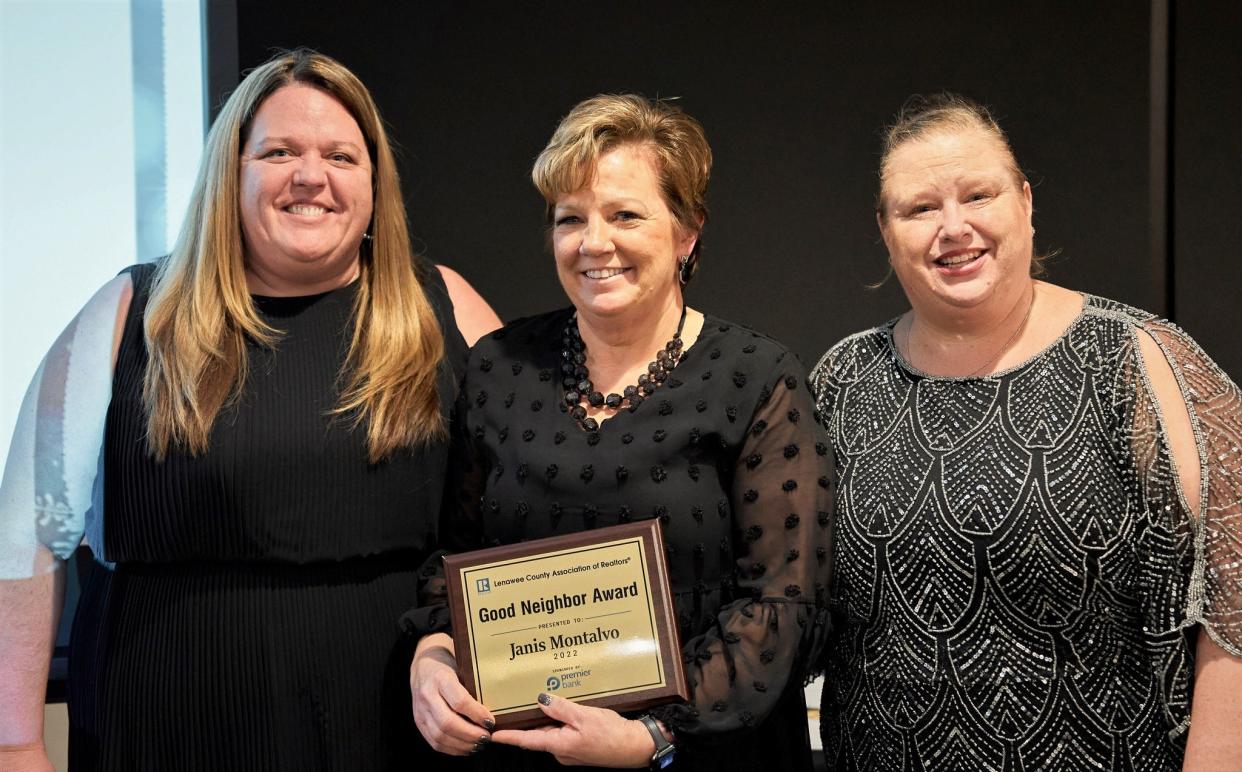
(115, 294)
(105, 310)
(1175, 412)
(474, 316)
(126, 296)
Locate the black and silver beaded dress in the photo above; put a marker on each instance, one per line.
(1018, 581)
(728, 455)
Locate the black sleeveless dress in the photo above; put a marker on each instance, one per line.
(250, 622)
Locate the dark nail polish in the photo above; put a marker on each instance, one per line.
(488, 724)
(544, 699)
(484, 740)
(477, 747)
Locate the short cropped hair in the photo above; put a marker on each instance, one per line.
(599, 124)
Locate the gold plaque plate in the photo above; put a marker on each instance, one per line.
(586, 616)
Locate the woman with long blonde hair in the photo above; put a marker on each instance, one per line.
(252, 433)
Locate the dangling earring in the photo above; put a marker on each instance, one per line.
(685, 269)
(367, 237)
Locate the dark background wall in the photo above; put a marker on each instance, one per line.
(1126, 116)
(1206, 178)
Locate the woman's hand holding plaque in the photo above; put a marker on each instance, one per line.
(586, 615)
(585, 736)
(443, 709)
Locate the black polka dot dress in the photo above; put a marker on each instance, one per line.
(728, 455)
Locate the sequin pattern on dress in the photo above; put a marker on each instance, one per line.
(1018, 579)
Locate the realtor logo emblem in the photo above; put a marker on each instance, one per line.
(483, 585)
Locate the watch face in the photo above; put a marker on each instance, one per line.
(664, 758)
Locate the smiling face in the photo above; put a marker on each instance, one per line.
(305, 189)
(956, 221)
(616, 242)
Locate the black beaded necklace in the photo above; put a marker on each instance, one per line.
(577, 378)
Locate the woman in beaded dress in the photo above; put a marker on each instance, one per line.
(253, 432)
(1039, 521)
(629, 406)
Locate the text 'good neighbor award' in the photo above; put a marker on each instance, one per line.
(586, 616)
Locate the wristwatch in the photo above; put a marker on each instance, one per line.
(665, 751)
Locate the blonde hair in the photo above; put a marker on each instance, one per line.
(599, 124)
(200, 313)
(945, 111)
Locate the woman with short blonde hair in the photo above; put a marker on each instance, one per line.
(630, 405)
(599, 124)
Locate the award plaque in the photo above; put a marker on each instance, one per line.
(586, 616)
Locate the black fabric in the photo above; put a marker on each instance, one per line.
(249, 622)
(1020, 583)
(728, 455)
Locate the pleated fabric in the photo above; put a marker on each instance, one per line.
(250, 622)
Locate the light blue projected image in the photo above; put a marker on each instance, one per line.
(101, 128)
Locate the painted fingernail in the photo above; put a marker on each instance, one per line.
(478, 747)
(484, 740)
(488, 724)
(544, 699)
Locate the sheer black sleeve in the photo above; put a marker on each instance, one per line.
(1212, 583)
(767, 637)
(460, 526)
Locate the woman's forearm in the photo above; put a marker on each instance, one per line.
(1216, 711)
(29, 615)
